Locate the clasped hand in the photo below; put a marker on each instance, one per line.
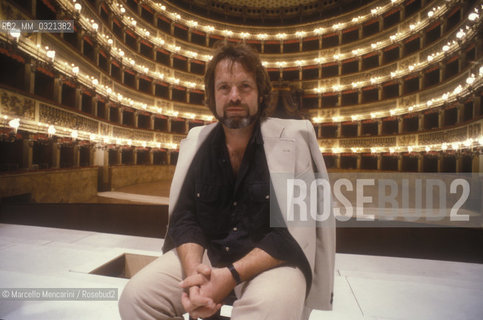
(206, 290)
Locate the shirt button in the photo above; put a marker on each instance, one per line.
(227, 249)
(235, 229)
(235, 203)
(267, 197)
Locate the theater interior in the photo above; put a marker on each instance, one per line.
(91, 121)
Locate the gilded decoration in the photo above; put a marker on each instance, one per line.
(406, 23)
(142, 135)
(48, 114)
(328, 83)
(408, 101)
(328, 143)
(353, 78)
(106, 81)
(190, 78)
(104, 129)
(162, 103)
(407, 140)
(162, 69)
(177, 139)
(368, 143)
(163, 138)
(440, 90)
(329, 113)
(188, 109)
(20, 106)
(431, 50)
(329, 52)
(406, 63)
(458, 134)
(269, 3)
(474, 130)
(122, 133)
(383, 72)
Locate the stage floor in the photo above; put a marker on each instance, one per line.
(143, 193)
(366, 287)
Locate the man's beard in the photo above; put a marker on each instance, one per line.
(238, 122)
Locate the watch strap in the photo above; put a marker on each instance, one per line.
(234, 273)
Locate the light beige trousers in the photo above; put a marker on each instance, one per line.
(153, 293)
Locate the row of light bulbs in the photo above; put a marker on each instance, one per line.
(51, 130)
(119, 54)
(472, 81)
(435, 57)
(127, 101)
(455, 146)
(72, 70)
(107, 91)
(435, 12)
(440, 10)
(143, 33)
(318, 29)
(450, 46)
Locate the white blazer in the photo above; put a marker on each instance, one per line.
(291, 148)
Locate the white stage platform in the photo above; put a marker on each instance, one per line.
(366, 287)
(134, 197)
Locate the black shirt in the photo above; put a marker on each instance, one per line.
(229, 214)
